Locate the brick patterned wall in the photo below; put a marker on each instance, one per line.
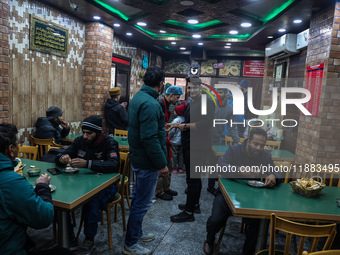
(267, 80)
(4, 61)
(97, 67)
(319, 137)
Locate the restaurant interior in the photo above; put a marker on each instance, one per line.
(69, 53)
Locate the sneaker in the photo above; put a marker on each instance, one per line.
(196, 210)
(147, 237)
(135, 249)
(164, 196)
(180, 170)
(86, 247)
(174, 171)
(183, 217)
(171, 192)
(73, 243)
(211, 190)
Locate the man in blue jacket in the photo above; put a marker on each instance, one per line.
(49, 127)
(249, 153)
(21, 205)
(147, 138)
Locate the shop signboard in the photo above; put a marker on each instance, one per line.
(253, 68)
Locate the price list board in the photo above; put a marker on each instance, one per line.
(253, 68)
(314, 77)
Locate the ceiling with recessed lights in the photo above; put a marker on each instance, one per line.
(166, 26)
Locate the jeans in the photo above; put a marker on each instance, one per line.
(91, 210)
(145, 185)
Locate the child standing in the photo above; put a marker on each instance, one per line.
(175, 137)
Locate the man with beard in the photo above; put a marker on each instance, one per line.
(47, 128)
(99, 153)
(249, 153)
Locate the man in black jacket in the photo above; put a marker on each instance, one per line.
(115, 113)
(47, 128)
(98, 152)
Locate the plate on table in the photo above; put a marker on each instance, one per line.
(256, 184)
(70, 170)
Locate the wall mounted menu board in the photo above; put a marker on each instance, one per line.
(231, 68)
(207, 67)
(177, 66)
(48, 37)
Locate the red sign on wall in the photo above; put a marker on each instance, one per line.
(314, 85)
(253, 68)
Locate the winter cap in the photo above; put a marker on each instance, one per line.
(176, 90)
(115, 91)
(244, 84)
(53, 112)
(167, 85)
(180, 109)
(93, 123)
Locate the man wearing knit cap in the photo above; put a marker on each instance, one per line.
(49, 127)
(115, 113)
(147, 138)
(98, 152)
(163, 191)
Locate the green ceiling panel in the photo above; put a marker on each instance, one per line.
(191, 26)
(111, 9)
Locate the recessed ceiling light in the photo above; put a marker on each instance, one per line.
(128, 33)
(233, 32)
(192, 21)
(245, 24)
(116, 25)
(270, 37)
(182, 48)
(96, 17)
(200, 43)
(173, 42)
(142, 24)
(187, 3)
(228, 43)
(282, 30)
(162, 31)
(196, 36)
(227, 47)
(297, 21)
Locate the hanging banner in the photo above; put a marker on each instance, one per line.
(314, 77)
(253, 68)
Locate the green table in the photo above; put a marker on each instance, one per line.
(71, 190)
(71, 137)
(281, 155)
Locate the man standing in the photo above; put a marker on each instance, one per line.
(115, 113)
(163, 190)
(47, 128)
(98, 152)
(196, 142)
(249, 153)
(147, 138)
(21, 205)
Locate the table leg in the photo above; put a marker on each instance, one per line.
(263, 233)
(63, 236)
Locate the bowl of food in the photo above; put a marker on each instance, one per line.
(256, 184)
(124, 138)
(308, 187)
(32, 172)
(70, 170)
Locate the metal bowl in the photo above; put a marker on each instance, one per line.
(70, 170)
(256, 184)
(32, 172)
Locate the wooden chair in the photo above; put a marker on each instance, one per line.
(303, 230)
(29, 152)
(330, 252)
(57, 145)
(42, 144)
(285, 165)
(119, 132)
(274, 144)
(119, 198)
(329, 176)
(126, 179)
(229, 141)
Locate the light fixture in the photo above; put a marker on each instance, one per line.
(96, 17)
(297, 21)
(282, 30)
(128, 34)
(196, 36)
(173, 42)
(228, 43)
(162, 31)
(142, 24)
(233, 32)
(193, 21)
(245, 24)
(270, 37)
(187, 3)
(227, 47)
(116, 25)
(182, 48)
(200, 43)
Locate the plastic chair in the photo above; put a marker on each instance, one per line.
(119, 132)
(29, 152)
(330, 252)
(299, 229)
(274, 144)
(42, 144)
